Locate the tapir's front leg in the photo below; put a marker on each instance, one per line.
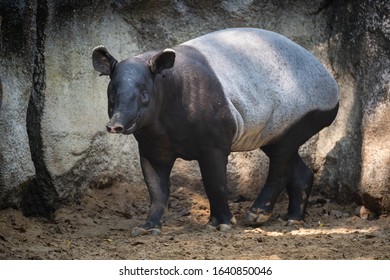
(212, 163)
(156, 176)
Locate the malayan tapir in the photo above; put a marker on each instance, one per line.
(232, 90)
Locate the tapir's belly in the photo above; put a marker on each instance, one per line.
(269, 82)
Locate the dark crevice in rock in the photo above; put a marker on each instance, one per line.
(1, 94)
(322, 6)
(13, 38)
(39, 198)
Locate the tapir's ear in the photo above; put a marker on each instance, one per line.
(103, 61)
(162, 60)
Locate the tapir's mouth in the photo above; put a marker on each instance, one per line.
(130, 129)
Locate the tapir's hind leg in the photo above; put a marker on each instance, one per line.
(281, 170)
(287, 169)
(298, 189)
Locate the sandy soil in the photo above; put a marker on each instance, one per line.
(99, 227)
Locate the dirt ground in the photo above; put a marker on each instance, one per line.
(99, 227)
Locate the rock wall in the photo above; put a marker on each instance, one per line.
(16, 69)
(362, 55)
(53, 144)
(357, 168)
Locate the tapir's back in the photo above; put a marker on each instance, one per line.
(269, 81)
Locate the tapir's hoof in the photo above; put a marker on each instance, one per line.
(138, 231)
(223, 227)
(257, 218)
(292, 222)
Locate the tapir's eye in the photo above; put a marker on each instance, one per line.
(145, 97)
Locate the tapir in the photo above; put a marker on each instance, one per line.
(231, 90)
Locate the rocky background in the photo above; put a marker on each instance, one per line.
(53, 108)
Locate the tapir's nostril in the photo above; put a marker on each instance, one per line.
(116, 128)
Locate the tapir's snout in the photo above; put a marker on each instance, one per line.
(115, 124)
(118, 124)
(114, 128)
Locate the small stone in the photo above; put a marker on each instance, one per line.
(365, 213)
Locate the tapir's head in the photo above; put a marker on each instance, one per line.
(131, 92)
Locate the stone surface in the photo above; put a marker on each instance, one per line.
(53, 144)
(16, 70)
(358, 166)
